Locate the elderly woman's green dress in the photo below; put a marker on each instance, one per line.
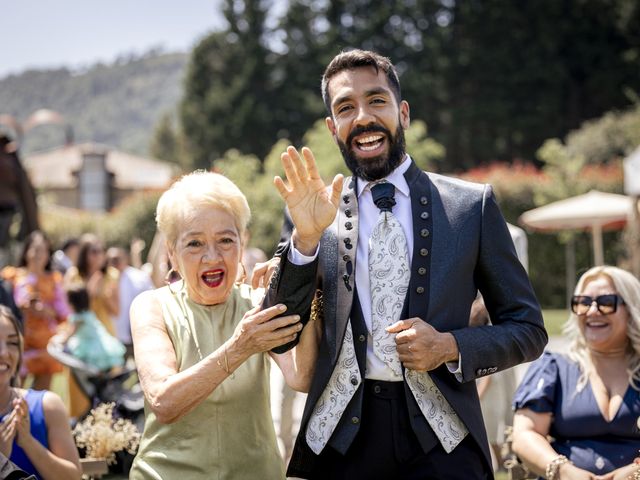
(230, 435)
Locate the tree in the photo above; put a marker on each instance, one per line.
(298, 63)
(265, 202)
(556, 65)
(492, 79)
(228, 88)
(167, 142)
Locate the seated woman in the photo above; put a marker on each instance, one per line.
(202, 349)
(588, 399)
(34, 431)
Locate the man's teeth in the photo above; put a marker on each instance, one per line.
(370, 142)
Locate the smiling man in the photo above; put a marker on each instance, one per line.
(399, 255)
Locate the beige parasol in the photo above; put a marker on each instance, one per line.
(593, 211)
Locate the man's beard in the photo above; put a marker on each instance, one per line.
(374, 168)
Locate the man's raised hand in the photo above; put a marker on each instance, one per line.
(311, 204)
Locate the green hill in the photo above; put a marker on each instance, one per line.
(117, 104)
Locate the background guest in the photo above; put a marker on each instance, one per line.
(100, 279)
(588, 399)
(34, 431)
(39, 293)
(6, 299)
(67, 256)
(101, 282)
(132, 281)
(86, 337)
(495, 392)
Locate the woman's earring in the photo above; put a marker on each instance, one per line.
(171, 274)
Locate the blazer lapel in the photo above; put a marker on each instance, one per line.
(346, 228)
(417, 302)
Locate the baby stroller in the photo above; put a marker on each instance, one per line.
(121, 388)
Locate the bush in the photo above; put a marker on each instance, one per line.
(521, 186)
(614, 135)
(265, 202)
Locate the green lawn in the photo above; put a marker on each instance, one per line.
(554, 319)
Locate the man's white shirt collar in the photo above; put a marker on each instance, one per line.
(396, 177)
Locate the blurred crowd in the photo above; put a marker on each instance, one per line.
(77, 295)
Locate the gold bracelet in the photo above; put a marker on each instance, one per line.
(225, 367)
(553, 467)
(635, 475)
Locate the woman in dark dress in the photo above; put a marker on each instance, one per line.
(587, 400)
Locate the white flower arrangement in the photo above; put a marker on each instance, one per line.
(102, 436)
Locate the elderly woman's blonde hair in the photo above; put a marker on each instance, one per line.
(200, 189)
(628, 287)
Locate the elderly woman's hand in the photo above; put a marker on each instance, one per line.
(262, 272)
(260, 332)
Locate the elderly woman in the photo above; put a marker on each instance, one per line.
(34, 426)
(202, 350)
(588, 399)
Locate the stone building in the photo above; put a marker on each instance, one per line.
(94, 177)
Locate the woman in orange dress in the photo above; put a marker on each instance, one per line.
(39, 293)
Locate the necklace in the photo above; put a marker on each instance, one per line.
(181, 298)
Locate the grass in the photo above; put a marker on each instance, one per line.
(554, 319)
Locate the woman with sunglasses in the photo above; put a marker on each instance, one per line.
(588, 399)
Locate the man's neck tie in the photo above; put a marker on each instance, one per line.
(389, 276)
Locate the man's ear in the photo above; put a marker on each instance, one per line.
(332, 128)
(405, 116)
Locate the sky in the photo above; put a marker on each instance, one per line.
(78, 33)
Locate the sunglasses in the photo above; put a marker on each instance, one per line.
(606, 304)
